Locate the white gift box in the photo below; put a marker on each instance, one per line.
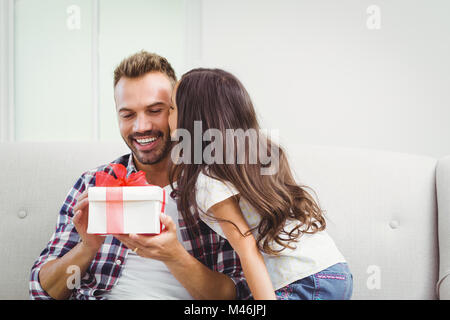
(123, 210)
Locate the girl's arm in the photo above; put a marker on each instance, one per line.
(251, 258)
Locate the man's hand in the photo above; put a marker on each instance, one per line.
(90, 241)
(200, 281)
(164, 246)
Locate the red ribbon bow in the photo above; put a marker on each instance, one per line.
(103, 179)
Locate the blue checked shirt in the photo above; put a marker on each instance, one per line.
(102, 274)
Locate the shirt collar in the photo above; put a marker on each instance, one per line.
(131, 167)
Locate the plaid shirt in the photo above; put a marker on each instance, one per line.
(209, 248)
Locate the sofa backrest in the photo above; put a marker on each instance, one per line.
(380, 206)
(381, 209)
(443, 196)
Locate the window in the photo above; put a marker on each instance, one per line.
(65, 52)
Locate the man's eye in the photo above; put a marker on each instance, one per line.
(155, 111)
(126, 116)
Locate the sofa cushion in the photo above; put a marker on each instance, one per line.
(381, 209)
(35, 180)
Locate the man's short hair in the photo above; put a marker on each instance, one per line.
(141, 63)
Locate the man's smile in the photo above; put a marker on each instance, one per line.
(146, 143)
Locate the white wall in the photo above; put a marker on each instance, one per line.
(65, 52)
(314, 69)
(317, 73)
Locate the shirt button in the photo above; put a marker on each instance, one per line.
(118, 262)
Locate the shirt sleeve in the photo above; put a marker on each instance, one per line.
(210, 191)
(62, 241)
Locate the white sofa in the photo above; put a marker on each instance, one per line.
(389, 213)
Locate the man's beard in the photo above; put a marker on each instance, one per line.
(154, 156)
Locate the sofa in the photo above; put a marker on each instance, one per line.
(389, 213)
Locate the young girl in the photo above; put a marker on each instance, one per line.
(273, 224)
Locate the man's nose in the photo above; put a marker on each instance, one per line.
(142, 124)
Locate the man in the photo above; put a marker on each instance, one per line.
(172, 265)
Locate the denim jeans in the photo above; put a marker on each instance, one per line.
(333, 283)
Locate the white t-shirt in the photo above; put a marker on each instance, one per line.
(313, 252)
(144, 278)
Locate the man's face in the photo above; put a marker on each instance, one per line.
(142, 106)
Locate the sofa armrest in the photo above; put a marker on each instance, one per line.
(443, 199)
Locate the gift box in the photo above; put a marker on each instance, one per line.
(124, 205)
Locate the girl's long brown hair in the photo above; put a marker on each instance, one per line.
(219, 100)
